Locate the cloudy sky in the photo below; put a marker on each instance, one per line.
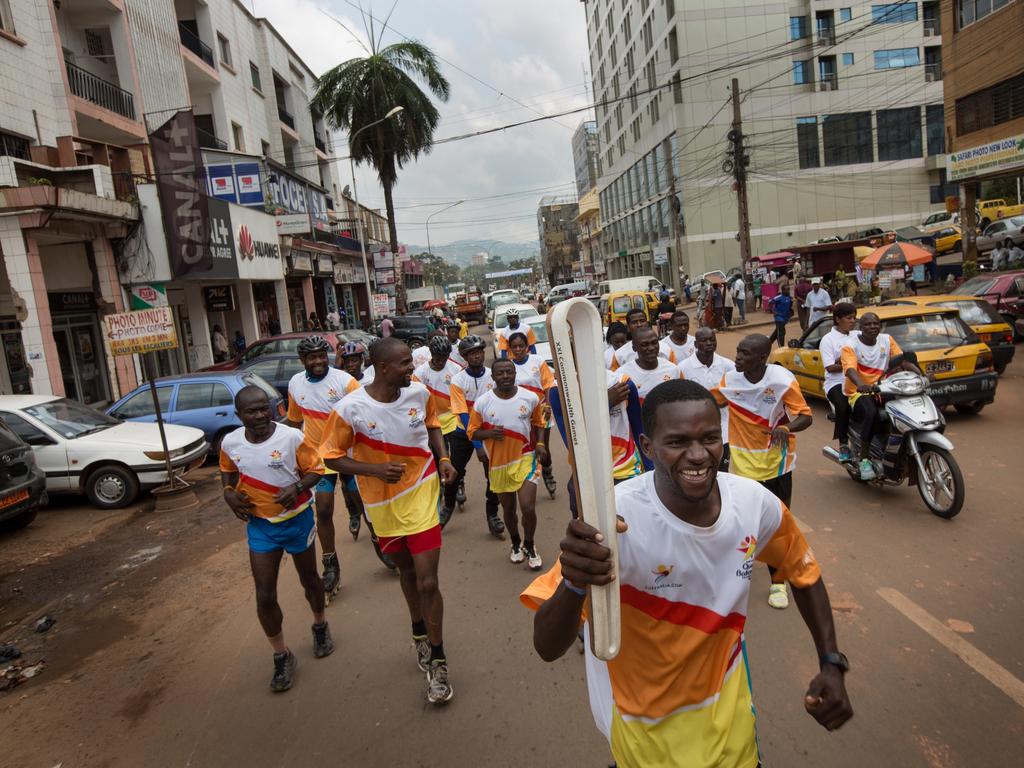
(533, 51)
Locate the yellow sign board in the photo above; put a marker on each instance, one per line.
(1003, 155)
(146, 330)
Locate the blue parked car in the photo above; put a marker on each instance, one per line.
(201, 400)
(276, 370)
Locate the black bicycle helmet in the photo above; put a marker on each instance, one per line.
(314, 343)
(470, 343)
(440, 346)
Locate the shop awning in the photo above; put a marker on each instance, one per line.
(777, 259)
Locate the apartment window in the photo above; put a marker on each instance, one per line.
(677, 88)
(847, 59)
(627, 32)
(673, 46)
(991, 106)
(807, 142)
(254, 73)
(847, 138)
(655, 110)
(6, 18)
(970, 11)
(845, 14)
(238, 136)
(894, 13)
(224, 47)
(939, 192)
(899, 133)
(935, 129)
(799, 27)
(801, 72)
(265, 148)
(897, 58)
(13, 146)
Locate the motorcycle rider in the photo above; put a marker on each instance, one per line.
(844, 320)
(865, 361)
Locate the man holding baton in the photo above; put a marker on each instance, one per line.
(678, 692)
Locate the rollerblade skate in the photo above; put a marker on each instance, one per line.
(332, 576)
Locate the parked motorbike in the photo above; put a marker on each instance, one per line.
(908, 444)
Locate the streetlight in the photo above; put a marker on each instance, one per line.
(446, 208)
(359, 218)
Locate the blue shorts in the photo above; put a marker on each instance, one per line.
(294, 535)
(349, 483)
(326, 484)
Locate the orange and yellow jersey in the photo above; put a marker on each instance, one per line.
(511, 460)
(456, 356)
(504, 333)
(265, 468)
(679, 690)
(870, 361)
(755, 409)
(438, 384)
(378, 433)
(535, 374)
(311, 402)
(626, 460)
(626, 354)
(646, 380)
(466, 389)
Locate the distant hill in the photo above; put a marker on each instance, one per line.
(461, 251)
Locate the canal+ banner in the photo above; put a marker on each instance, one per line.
(181, 186)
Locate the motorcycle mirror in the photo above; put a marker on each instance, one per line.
(794, 344)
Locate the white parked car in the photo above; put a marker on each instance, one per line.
(82, 450)
(501, 318)
(1003, 232)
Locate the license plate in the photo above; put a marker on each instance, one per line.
(942, 366)
(986, 337)
(14, 498)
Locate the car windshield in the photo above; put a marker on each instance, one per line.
(916, 334)
(975, 312)
(504, 298)
(501, 319)
(976, 286)
(410, 322)
(253, 379)
(540, 330)
(935, 218)
(70, 419)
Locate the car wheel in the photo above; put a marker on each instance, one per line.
(20, 520)
(217, 440)
(969, 409)
(112, 486)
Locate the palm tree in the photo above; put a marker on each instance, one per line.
(361, 91)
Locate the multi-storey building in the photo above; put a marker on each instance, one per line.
(584, 156)
(559, 246)
(841, 107)
(588, 225)
(984, 94)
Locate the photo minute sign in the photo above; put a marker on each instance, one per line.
(146, 330)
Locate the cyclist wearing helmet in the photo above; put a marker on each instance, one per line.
(452, 330)
(513, 327)
(350, 359)
(466, 387)
(312, 395)
(436, 375)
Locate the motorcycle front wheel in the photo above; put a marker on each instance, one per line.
(942, 484)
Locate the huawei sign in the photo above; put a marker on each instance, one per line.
(245, 243)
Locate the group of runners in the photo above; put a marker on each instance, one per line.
(703, 452)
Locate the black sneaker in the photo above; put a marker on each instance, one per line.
(323, 645)
(284, 671)
(332, 575)
(495, 526)
(445, 516)
(355, 522)
(460, 495)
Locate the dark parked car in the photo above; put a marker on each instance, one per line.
(22, 482)
(276, 370)
(412, 329)
(287, 343)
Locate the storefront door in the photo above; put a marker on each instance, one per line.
(82, 362)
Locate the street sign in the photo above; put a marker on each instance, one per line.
(146, 330)
(660, 255)
(380, 304)
(148, 296)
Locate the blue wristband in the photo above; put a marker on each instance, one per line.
(573, 588)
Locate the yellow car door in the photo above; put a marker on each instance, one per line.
(806, 362)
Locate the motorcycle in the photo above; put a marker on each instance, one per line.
(909, 445)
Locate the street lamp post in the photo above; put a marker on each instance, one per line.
(359, 216)
(446, 208)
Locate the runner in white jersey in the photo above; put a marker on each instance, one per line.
(649, 369)
(534, 374)
(679, 344)
(707, 368)
(842, 335)
(616, 338)
(636, 319)
(268, 472)
(312, 395)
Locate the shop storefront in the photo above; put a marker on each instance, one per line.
(300, 287)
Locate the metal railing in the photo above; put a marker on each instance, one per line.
(932, 27)
(208, 141)
(828, 81)
(286, 117)
(933, 71)
(826, 36)
(88, 86)
(191, 41)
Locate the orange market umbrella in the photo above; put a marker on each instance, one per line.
(896, 255)
(860, 252)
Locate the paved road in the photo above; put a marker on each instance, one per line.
(157, 658)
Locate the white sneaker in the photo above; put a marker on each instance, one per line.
(517, 555)
(778, 596)
(533, 559)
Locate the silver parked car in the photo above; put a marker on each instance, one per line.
(1004, 232)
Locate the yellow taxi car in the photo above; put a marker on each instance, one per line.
(978, 313)
(945, 346)
(947, 239)
(614, 306)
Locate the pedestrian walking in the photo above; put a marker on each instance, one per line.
(387, 327)
(219, 343)
(818, 302)
(800, 291)
(757, 291)
(739, 291)
(508, 420)
(727, 305)
(766, 410)
(781, 307)
(268, 471)
(387, 435)
(333, 319)
(312, 395)
(692, 537)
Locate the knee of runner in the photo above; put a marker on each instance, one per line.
(426, 585)
(266, 597)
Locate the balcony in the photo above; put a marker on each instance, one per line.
(826, 36)
(208, 141)
(191, 41)
(828, 82)
(932, 27)
(286, 117)
(933, 72)
(88, 86)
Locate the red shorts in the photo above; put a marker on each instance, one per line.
(414, 544)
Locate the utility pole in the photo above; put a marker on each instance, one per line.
(738, 165)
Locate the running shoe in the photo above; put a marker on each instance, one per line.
(845, 454)
(439, 690)
(460, 495)
(445, 516)
(533, 559)
(778, 596)
(422, 652)
(332, 575)
(355, 522)
(495, 526)
(284, 671)
(517, 555)
(323, 645)
(867, 470)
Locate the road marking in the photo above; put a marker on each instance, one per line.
(999, 676)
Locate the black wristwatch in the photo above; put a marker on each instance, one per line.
(836, 659)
